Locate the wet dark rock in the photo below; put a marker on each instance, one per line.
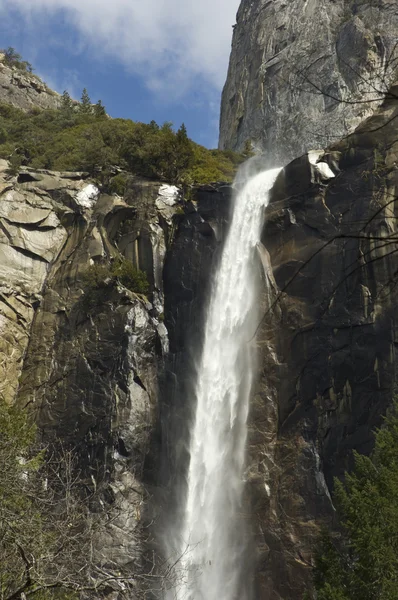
(327, 367)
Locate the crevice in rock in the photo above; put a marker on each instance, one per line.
(30, 254)
(4, 230)
(120, 447)
(19, 316)
(26, 178)
(31, 226)
(138, 381)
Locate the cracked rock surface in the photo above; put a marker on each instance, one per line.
(304, 73)
(87, 369)
(25, 90)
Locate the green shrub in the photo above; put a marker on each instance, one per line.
(13, 59)
(118, 184)
(128, 275)
(100, 277)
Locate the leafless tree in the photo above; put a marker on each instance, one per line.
(49, 527)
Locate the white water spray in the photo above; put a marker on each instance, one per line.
(212, 535)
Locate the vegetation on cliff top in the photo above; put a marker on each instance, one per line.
(81, 136)
(361, 563)
(11, 58)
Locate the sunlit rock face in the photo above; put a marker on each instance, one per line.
(300, 71)
(24, 90)
(87, 369)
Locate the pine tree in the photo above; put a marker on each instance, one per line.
(183, 154)
(362, 563)
(66, 101)
(99, 109)
(11, 56)
(85, 103)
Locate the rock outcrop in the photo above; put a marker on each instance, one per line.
(25, 90)
(303, 74)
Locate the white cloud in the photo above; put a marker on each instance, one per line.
(172, 44)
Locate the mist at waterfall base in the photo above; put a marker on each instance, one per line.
(211, 540)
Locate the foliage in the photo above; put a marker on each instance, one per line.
(214, 165)
(103, 276)
(362, 564)
(37, 526)
(48, 534)
(13, 59)
(66, 102)
(85, 106)
(99, 109)
(118, 184)
(82, 137)
(248, 150)
(129, 276)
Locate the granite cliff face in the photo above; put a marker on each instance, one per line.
(24, 90)
(303, 74)
(86, 367)
(327, 342)
(328, 346)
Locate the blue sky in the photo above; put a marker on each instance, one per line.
(145, 59)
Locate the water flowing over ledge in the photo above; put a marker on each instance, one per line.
(212, 534)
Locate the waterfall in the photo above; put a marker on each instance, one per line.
(212, 535)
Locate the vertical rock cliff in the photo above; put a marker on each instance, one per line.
(327, 348)
(304, 73)
(86, 364)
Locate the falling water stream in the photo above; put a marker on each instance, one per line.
(212, 533)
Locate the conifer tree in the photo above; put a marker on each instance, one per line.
(11, 56)
(183, 154)
(99, 109)
(85, 103)
(66, 101)
(362, 563)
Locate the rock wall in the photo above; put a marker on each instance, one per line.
(303, 74)
(25, 90)
(328, 362)
(86, 365)
(187, 278)
(327, 342)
